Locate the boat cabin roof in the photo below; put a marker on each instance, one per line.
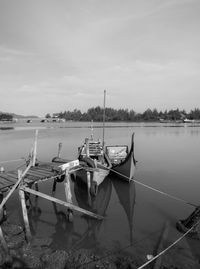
(94, 148)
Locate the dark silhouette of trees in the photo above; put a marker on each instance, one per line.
(195, 114)
(6, 117)
(96, 114)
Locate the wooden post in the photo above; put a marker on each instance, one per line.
(87, 147)
(68, 194)
(36, 186)
(54, 186)
(35, 148)
(67, 187)
(59, 149)
(24, 209)
(3, 241)
(89, 187)
(2, 209)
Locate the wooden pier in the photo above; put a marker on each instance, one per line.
(39, 172)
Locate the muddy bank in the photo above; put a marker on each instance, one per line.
(38, 254)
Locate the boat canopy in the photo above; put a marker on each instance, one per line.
(117, 154)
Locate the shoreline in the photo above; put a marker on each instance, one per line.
(38, 254)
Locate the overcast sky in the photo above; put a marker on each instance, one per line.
(58, 55)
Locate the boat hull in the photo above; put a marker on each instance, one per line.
(122, 165)
(97, 175)
(125, 170)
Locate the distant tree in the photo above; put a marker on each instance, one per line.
(194, 114)
(132, 115)
(96, 114)
(6, 117)
(48, 116)
(148, 115)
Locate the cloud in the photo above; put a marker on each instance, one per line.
(67, 52)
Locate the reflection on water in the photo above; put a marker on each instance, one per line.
(127, 195)
(168, 159)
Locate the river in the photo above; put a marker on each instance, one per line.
(168, 159)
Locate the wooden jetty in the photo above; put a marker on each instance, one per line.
(36, 172)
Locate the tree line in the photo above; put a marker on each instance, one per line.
(6, 116)
(111, 114)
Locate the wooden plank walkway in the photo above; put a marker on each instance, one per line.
(42, 171)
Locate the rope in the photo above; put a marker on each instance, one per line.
(170, 246)
(156, 190)
(173, 197)
(15, 160)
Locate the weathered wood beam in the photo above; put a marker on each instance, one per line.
(59, 149)
(24, 209)
(35, 148)
(69, 205)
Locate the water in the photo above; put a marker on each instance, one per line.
(168, 159)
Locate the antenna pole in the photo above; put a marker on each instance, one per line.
(104, 115)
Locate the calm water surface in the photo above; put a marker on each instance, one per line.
(168, 159)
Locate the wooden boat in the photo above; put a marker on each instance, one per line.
(123, 161)
(93, 158)
(126, 195)
(94, 164)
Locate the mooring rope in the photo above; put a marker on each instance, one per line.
(156, 190)
(170, 246)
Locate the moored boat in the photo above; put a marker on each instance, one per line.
(94, 164)
(93, 159)
(122, 160)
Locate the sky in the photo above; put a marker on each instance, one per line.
(58, 55)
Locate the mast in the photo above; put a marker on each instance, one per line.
(104, 115)
(92, 130)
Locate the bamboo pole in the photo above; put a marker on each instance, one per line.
(24, 209)
(69, 205)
